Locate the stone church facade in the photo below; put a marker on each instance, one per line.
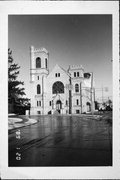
(61, 91)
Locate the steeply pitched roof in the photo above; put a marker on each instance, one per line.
(59, 67)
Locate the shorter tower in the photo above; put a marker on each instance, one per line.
(38, 73)
(77, 78)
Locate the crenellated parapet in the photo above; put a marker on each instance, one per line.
(76, 67)
(76, 71)
(38, 50)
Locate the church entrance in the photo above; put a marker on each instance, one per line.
(88, 107)
(58, 105)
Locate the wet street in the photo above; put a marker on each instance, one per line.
(62, 141)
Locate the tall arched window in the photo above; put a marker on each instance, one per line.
(76, 88)
(58, 87)
(38, 89)
(38, 62)
(46, 63)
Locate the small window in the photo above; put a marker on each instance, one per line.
(39, 112)
(76, 88)
(74, 74)
(58, 74)
(77, 101)
(55, 74)
(77, 74)
(39, 103)
(38, 89)
(38, 77)
(50, 103)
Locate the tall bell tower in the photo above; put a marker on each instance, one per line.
(38, 73)
(38, 62)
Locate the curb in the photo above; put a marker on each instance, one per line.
(28, 123)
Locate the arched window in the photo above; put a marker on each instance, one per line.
(76, 88)
(58, 87)
(46, 63)
(38, 62)
(38, 89)
(77, 101)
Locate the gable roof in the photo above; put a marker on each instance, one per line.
(59, 67)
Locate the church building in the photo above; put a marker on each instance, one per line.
(60, 91)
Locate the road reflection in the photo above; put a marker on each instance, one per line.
(62, 140)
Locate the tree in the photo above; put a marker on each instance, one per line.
(15, 92)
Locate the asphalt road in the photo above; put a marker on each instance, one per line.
(62, 141)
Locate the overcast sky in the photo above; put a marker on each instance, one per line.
(70, 40)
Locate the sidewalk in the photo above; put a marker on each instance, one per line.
(15, 121)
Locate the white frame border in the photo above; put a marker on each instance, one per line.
(58, 7)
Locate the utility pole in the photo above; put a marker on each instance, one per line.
(102, 93)
(43, 94)
(70, 97)
(92, 92)
(81, 96)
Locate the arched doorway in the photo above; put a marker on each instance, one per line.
(58, 105)
(88, 107)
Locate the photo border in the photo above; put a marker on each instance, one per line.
(58, 7)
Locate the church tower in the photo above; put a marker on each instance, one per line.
(38, 73)
(38, 62)
(77, 78)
